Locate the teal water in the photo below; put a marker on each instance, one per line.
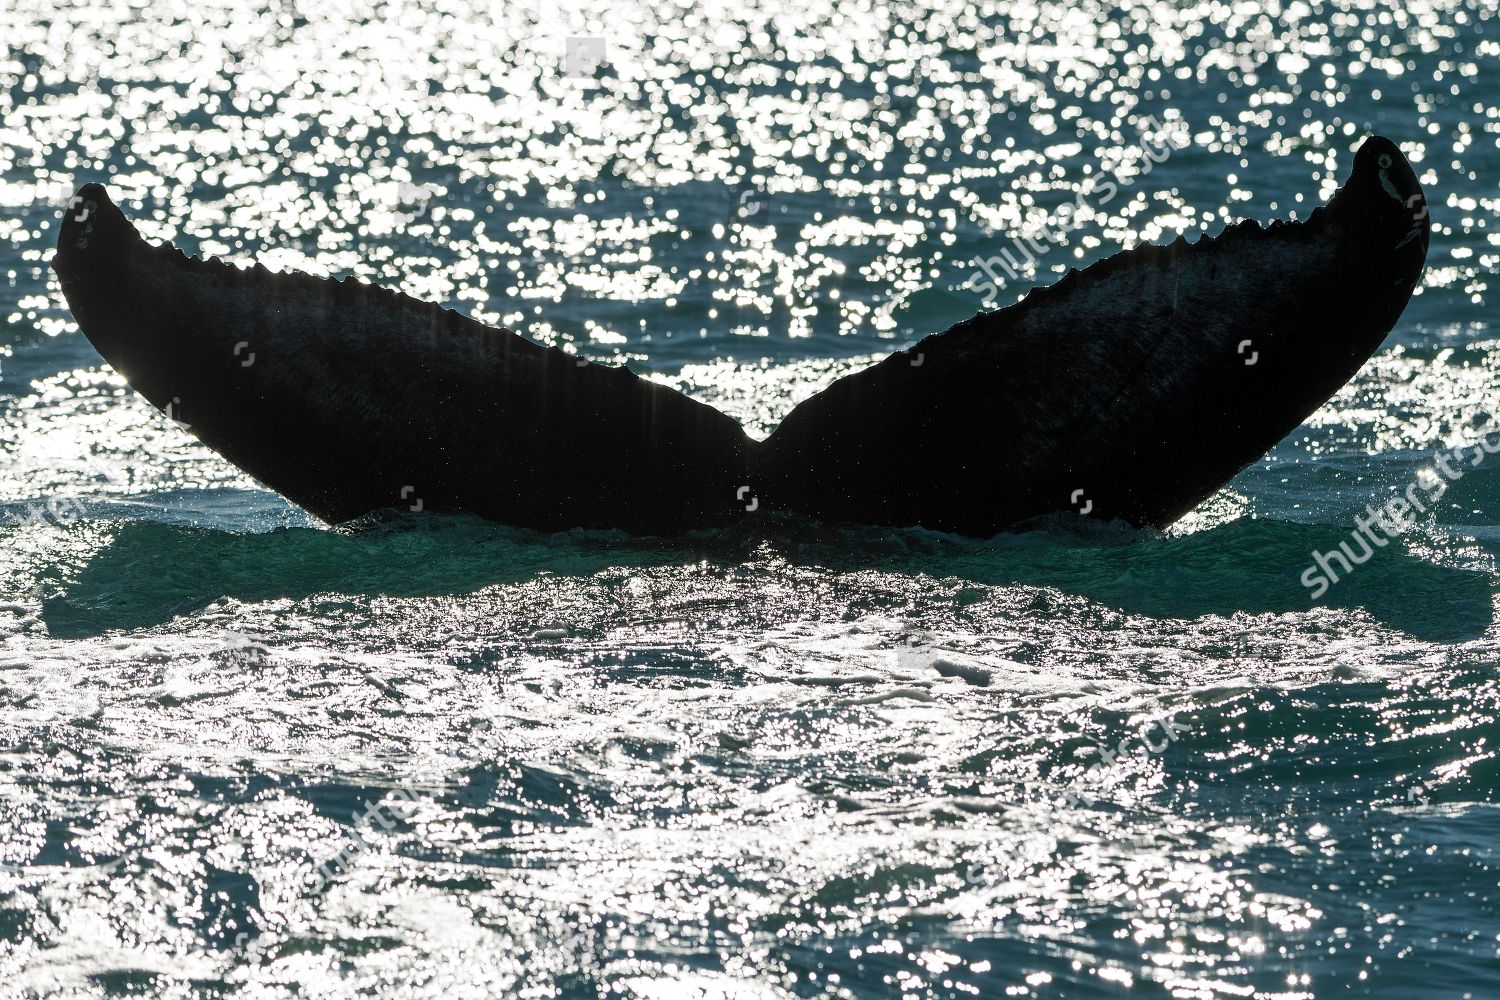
(247, 755)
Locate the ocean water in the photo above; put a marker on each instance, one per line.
(245, 754)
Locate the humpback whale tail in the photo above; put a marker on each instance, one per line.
(348, 398)
(1135, 388)
(1131, 389)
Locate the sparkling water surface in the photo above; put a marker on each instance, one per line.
(248, 755)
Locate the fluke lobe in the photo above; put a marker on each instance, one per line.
(1132, 389)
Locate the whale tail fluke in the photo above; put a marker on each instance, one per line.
(1132, 389)
(347, 398)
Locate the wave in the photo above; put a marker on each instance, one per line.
(148, 572)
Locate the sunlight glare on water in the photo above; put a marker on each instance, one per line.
(445, 758)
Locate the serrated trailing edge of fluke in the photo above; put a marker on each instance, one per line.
(1080, 278)
(528, 438)
(294, 280)
(1074, 280)
(234, 274)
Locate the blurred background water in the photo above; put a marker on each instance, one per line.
(244, 754)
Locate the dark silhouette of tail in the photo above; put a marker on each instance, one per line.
(347, 398)
(1132, 389)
